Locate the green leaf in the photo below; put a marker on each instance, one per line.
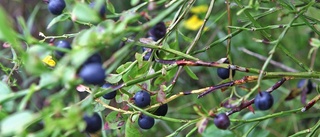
(78, 56)
(128, 17)
(187, 39)
(3, 115)
(32, 16)
(136, 71)
(6, 31)
(318, 89)
(99, 107)
(139, 58)
(134, 2)
(175, 45)
(47, 79)
(190, 73)
(213, 130)
(131, 129)
(68, 75)
(57, 19)
(114, 78)
(87, 102)
(115, 120)
(315, 42)
(82, 12)
(123, 67)
(16, 123)
(25, 30)
(4, 92)
(121, 98)
(256, 131)
(110, 7)
(34, 58)
(165, 78)
(86, 38)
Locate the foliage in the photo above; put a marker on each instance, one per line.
(271, 44)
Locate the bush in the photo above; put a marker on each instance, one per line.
(169, 49)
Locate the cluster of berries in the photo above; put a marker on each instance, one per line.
(155, 33)
(143, 99)
(92, 72)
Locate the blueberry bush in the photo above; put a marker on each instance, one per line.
(159, 68)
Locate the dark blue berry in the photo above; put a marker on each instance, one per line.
(223, 73)
(56, 6)
(263, 100)
(62, 44)
(102, 8)
(303, 85)
(148, 54)
(109, 95)
(93, 123)
(145, 122)
(158, 31)
(142, 99)
(92, 73)
(162, 110)
(221, 121)
(95, 58)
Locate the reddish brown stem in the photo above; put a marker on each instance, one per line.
(311, 103)
(246, 104)
(206, 64)
(243, 105)
(245, 79)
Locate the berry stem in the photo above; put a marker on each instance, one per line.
(278, 114)
(113, 108)
(246, 104)
(154, 45)
(175, 133)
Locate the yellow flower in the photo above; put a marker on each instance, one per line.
(193, 23)
(199, 9)
(49, 61)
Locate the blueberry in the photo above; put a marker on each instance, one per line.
(221, 121)
(93, 123)
(223, 73)
(158, 31)
(148, 54)
(302, 85)
(145, 122)
(142, 99)
(56, 6)
(102, 8)
(263, 100)
(92, 73)
(95, 58)
(109, 95)
(62, 44)
(162, 110)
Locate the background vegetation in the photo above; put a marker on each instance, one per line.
(39, 100)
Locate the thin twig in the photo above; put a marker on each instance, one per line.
(196, 39)
(275, 63)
